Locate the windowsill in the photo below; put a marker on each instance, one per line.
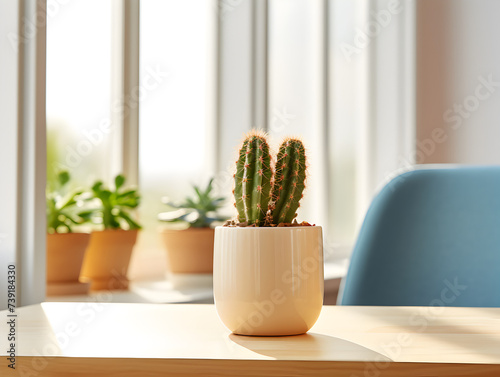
(192, 290)
(145, 291)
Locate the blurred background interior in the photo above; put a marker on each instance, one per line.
(163, 90)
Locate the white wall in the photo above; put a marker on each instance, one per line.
(458, 115)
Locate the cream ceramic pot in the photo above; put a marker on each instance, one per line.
(268, 281)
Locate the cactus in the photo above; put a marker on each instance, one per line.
(289, 181)
(264, 197)
(253, 180)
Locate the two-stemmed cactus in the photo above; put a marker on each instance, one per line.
(266, 196)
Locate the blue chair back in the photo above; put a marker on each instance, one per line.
(430, 238)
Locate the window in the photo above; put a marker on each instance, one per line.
(210, 71)
(79, 124)
(176, 47)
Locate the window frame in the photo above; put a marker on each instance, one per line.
(23, 148)
(125, 83)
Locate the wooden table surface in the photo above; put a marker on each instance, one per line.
(77, 339)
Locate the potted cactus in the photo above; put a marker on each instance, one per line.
(268, 268)
(108, 255)
(190, 248)
(65, 248)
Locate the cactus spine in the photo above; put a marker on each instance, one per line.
(253, 180)
(289, 182)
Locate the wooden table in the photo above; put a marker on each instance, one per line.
(104, 339)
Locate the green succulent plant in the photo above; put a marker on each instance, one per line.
(61, 205)
(199, 211)
(264, 197)
(114, 205)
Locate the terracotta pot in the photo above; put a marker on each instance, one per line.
(65, 253)
(268, 281)
(107, 259)
(189, 251)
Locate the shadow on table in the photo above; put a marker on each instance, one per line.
(308, 346)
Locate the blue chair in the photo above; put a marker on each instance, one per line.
(430, 238)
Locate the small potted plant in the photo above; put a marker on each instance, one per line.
(268, 268)
(65, 248)
(190, 249)
(108, 255)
